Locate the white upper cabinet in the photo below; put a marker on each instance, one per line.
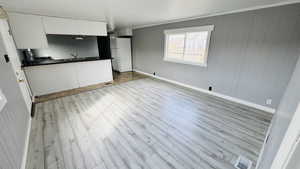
(64, 26)
(28, 31)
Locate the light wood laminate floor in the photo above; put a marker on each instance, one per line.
(145, 124)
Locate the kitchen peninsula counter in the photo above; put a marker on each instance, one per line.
(51, 77)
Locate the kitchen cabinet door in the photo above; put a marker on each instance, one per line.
(28, 31)
(48, 79)
(94, 72)
(63, 26)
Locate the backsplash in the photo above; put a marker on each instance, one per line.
(69, 46)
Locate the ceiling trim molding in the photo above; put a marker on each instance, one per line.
(217, 14)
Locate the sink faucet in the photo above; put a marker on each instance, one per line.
(75, 55)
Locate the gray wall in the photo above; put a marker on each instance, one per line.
(62, 46)
(251, 57)
(284, 114)
(14, 118)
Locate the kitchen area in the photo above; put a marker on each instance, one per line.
(62, 54)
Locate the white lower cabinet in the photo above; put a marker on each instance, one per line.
(48, 79)
(89, 73)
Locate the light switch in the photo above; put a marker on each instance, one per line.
(2, 100)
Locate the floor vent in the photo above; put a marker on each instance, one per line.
(243, 163)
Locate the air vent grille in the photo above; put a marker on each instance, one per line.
(243, 163)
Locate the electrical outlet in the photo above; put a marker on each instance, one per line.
(269, 101)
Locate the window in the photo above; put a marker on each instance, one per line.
(188, 45)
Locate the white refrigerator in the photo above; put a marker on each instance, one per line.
(121, 54)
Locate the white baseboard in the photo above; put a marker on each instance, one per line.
(23, 166)
(233, 99)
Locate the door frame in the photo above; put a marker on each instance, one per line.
(289, 143)
(15, 62)
(264, 144)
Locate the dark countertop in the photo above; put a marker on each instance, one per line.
(42, 62)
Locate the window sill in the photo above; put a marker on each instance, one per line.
(185, 62)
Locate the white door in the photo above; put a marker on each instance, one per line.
(289, 144)
(115, 59)
(15, 62)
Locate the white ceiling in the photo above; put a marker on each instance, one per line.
(132, 13)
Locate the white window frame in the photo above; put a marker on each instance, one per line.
(208, 28)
